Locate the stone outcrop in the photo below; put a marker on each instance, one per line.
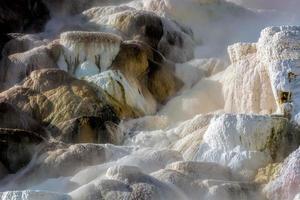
(88, 53)
(18, 147)
(68, 98)
(278, 50)
(140, 78)
(287, 184)
(127, 95)
(17, 66)
(162, 34)
(12, 118)
(51, 97)
(248, 142)
(274, 62)
(22, 42)
(252, 92)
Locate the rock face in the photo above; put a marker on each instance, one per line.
(18, 147)
(287, 184)
(90, 129)
(252, 92)
(204, 16)
(12, 118)
(127, 95)
(52, 97)
(127, 182)
(16, 67)
(22, 42)
(63, 93)
(88, 53)
(141, 77)
(23, 16)
(278, 50)
(58, 160)
(274, 62)
(164, 35)
(70, 7)
(246, 144)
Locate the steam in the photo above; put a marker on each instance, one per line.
(269, 4)
(215, 25)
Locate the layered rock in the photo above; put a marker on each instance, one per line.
(247, 142)
(98, 129)
(67, 7)
(179, 180)
(52, 97)
(251, 92)
(273, 60)
(58, 160)
(128, 76)
(143, 73)
(16, 67)
(22, 42)
(278, 51)
(208, 180)
(127, 95)
(18, 147)
(12, 118)
(287, 184)
(161, 33)
(136, 184)
(88, 53)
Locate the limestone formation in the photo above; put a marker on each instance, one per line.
(287, 184)
(51, 97)
(274, 61)
(252, 92)
(160, 33)
(16, 67)
(21, 43)
(88, 53)
(247, 143)
(127, 95)
(18, 147)
(139, 100)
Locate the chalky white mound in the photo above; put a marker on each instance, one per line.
(287, 185)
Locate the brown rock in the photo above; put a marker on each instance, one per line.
(88, 129)
(167, 36)
(57, 159)
(162, 82)
(11, 117)
(155, 74)
(17, 147)
(132, 59)
(51, 97)
(14, 68)
(3, 171)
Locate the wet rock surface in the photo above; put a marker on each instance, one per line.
(51, 97)
(118, 100)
